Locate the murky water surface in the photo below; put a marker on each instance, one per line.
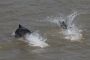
(36, 15)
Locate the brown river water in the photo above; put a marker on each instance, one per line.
(34, 14)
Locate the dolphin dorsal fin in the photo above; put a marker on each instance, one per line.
(20, 26)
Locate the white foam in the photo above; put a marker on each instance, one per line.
(35, 39)
(72, 32)
(56, 20)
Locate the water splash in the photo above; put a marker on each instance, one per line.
(35, 39)
(72, 32)
(70, 18)
(56, 20)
